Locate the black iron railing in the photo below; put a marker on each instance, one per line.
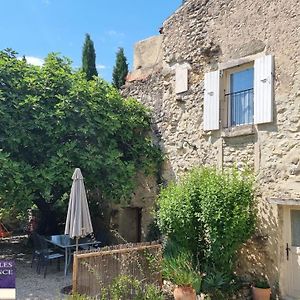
(240, 107)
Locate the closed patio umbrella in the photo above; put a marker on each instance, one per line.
(78, 223)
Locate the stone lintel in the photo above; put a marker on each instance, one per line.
(284, 201)
(239, 61)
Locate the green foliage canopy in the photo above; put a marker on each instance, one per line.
(89, 58)
(120, 70)
(210, 214)
(53, 120)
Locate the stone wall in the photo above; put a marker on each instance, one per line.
(130, 222)
(147, 57)
(203, 34)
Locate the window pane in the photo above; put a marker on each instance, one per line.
(241, 97)
(242, 80)
(295, 223)
(241, 107)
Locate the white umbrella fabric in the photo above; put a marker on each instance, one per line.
(78, 223)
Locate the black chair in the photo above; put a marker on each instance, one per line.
(46, 256)
(37, 249)
(35, 237)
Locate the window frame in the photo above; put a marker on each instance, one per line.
(226, 88)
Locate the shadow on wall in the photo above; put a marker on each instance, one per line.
(167, 173)
(258, 256)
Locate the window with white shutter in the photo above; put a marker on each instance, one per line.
(247, 91)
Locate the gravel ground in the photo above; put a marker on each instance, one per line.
(29, 284)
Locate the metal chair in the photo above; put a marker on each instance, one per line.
(36, 249)
(47, 255)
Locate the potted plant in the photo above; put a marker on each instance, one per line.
(261, 290)
(179, 270)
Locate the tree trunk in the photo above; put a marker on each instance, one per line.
(47, 223)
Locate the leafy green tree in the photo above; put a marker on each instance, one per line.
(120, 70)
(89, 58)
(53, 120)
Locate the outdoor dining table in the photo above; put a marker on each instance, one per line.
(67, 244)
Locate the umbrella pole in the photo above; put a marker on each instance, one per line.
(77, 243)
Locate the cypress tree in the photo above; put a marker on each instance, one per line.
(89, 58)
(120, 70)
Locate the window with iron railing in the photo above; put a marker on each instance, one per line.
(240, 107)
(240, 97)
(240, 92)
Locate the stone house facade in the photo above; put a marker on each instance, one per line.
(223, 84)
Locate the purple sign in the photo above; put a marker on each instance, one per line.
(7, 274)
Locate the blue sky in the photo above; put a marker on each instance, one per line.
(36, 27)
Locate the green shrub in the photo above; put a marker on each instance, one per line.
(209, 213)
(150, 292)
(124, 287)
(78, 297)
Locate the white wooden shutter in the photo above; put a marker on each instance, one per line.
(211, 100)
(181, 80)
(263, 89)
